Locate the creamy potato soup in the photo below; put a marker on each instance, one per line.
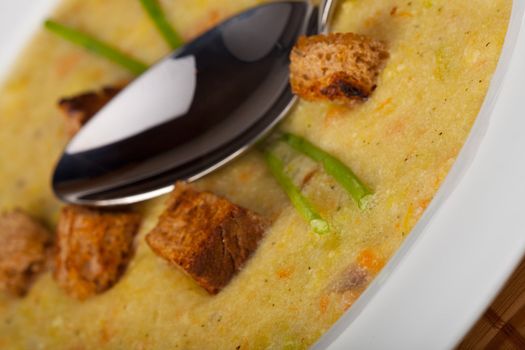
(401, 142)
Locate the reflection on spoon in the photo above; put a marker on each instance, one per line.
(190, 113)
(137, 109)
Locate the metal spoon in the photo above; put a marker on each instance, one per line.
(194, 111)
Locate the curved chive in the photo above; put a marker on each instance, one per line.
(301, 204)
(333, 166)
(96, 46)
(156, 14)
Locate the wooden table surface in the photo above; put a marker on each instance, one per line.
(503, 324)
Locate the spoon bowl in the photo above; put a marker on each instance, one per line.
(190, 113)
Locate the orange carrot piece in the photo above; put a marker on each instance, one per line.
(370, 260)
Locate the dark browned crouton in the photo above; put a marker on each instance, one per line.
(209, 237)
(338, 67)
(24, 249)
(93, 249)
(78, 109)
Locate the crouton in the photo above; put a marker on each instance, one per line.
(25, 246)
(78, 109)
(338, 67)
(92, 250)
(207, 236)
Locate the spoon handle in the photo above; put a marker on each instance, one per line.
(326, 10)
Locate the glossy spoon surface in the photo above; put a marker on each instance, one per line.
(190, 113)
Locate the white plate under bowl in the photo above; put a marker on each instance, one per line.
(466, 244)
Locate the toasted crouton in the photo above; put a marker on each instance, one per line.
(207, 236)
(78, 109)
(24, 249)
(92, 250)
(338, 67)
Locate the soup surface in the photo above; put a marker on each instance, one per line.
(402, 142)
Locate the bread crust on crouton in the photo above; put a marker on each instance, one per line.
(25, 247)
(78, 109)
(207, 236)
(93, 248)
(338, 67)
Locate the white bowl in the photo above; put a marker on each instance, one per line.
(466, 244)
